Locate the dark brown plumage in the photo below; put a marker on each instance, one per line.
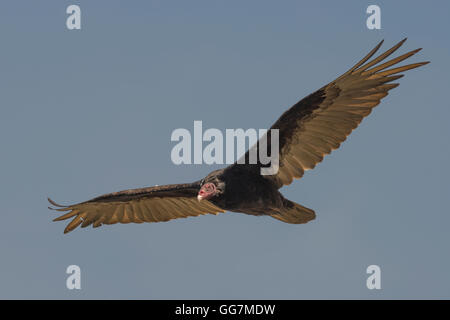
(308, 131)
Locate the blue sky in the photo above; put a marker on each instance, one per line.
(91, 111)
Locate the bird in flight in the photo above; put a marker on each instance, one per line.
(308, 131)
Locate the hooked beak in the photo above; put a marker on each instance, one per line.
(207, 191)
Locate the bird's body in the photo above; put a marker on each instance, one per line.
(308, 131)
(262, 195)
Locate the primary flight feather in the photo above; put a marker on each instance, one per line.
(308, 131)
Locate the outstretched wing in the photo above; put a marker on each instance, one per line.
(319, 123)
(154, 204)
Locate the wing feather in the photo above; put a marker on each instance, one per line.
(320, 122)
(153, 204)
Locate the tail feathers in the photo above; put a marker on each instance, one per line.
(294, 213)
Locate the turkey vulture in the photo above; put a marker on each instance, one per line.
(310, 129)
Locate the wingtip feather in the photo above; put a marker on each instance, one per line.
(55, 204)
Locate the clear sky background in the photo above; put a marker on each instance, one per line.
(88, 112)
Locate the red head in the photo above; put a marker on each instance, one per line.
(207, 191)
